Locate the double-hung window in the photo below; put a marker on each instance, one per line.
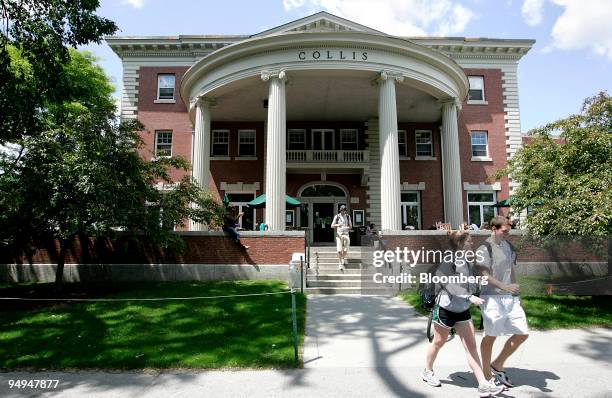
(297, 140)
(480, 147)
(476, 92)
(411, 210)
(246, 143)
(220, 143)
(424, 146)
(165, 86)
(348, 139)
(402, 143)
(163, 143)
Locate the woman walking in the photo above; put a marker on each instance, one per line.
(452, 310)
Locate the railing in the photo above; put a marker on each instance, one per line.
(303, 156)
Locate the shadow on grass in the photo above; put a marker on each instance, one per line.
(251, 332)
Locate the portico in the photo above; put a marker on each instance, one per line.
(367, 77)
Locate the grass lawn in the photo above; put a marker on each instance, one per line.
(548, 312)
(241, 332)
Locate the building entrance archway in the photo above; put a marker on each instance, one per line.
(321, 201)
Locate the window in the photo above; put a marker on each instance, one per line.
(480, 207)
(348, 139)
(165, 87)
(476, 92)
(163, 143)
(290, 218)
(323, 140)
(424, 146)
(479, 144)
(246, 143)
(403, 143)
(411, 210)
(297, 140)
(238, 204)
(220, 143)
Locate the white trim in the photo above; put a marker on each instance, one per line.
(481, 159)
(475, 102)
(240, 187)
(431, 146)
(254, 156)
(481, 186)
(322, 131)
(425, 158)
(164, 101)
(155, 155)
(212, 142)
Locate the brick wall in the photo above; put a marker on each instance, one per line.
(200, 248)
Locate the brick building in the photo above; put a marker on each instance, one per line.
(404, 131)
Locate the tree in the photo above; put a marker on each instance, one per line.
(83, 176)
(566, 184)
(40, 31)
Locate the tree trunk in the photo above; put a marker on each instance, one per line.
(61, 259)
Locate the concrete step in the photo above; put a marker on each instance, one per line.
(348, 290)
(334, 283)
(331, 271)
(334, 276)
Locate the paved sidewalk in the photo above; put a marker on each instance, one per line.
(364, 347)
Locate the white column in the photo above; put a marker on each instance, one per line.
(389, 153)
(200, 164)
(451, 164)
(276, 162)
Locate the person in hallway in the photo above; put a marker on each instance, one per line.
(452, 310)
(502, 312)
(229, 225)
(342, 224)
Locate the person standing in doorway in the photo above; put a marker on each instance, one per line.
(342, 224)
(502, 312)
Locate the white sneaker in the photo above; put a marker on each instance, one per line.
(341, 266)
(344, 261)
(431, 379)
(489, 389)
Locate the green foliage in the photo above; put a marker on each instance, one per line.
(567, 186)
(39, 31)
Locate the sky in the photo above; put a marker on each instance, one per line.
(570, 61)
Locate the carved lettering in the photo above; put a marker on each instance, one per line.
(364, 55)
(302, 55)
(341, 56)
(316, 55)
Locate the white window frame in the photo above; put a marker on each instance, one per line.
(159, 87)
(292, 212)
(212, 143)
(254, 155)
(481, 81)
(404, 134)
(301, 132)
(343, 142)
(157, 134)
(323, 131)
(404, 205)
(481, 204)
(416, 146)
(480, 158)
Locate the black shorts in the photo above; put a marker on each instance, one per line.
(448, 319)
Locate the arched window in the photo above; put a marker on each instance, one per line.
(323, 190)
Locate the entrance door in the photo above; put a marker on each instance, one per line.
(322, 217)
(323, 140)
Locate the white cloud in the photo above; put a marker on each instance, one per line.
(397, 17)
(134, 3)
(584, 24)
(532, 11)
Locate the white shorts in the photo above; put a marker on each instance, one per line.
(342, 242)
(503, 315)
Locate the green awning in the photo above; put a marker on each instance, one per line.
(260, 202)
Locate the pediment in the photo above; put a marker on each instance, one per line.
(319, 22)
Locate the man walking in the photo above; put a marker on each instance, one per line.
(342, 224)
(502, 312)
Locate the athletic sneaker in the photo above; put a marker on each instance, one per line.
(344, 261)
(502, 377)
(431, 379)
(340, 266)
(489, 389)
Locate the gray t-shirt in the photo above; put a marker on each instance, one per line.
(500, 267)
(454, 297)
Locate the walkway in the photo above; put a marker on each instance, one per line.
(364, 347)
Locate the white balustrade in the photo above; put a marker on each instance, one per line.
(342, 156)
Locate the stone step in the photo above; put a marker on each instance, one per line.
(331, 271)
(334, 276)
(334, 283)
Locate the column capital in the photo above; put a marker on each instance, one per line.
(389, 75)
(451, 101)
(202, 101)
(269, 74)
